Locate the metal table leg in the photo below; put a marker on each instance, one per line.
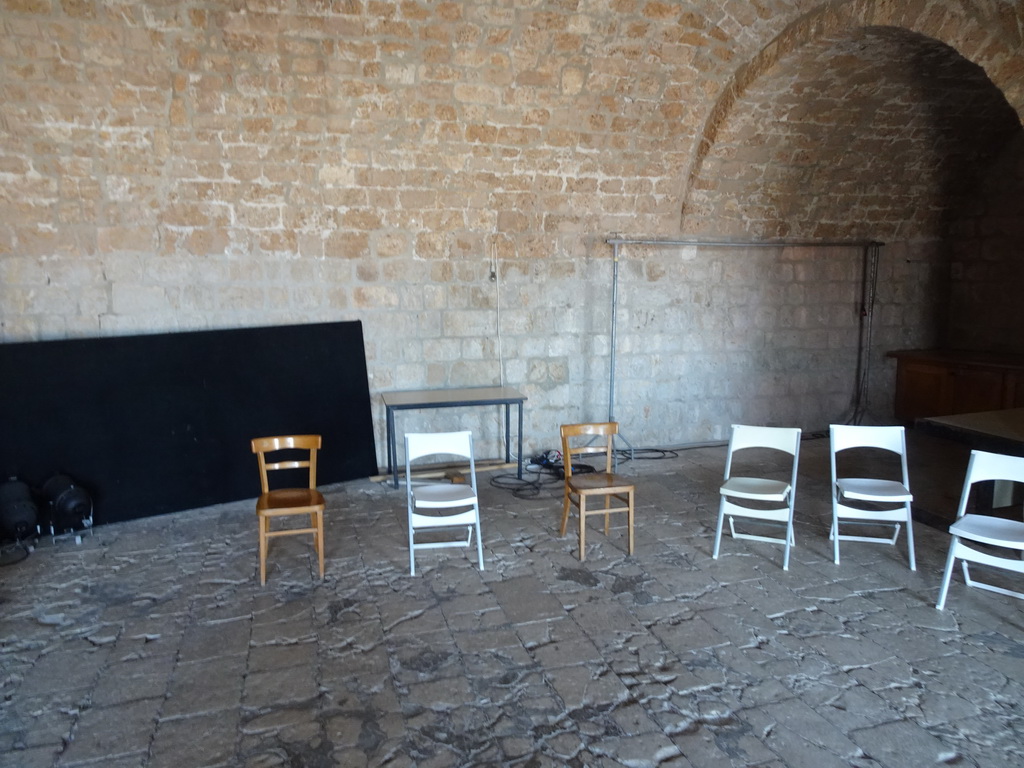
(520, 439)
(392, 451)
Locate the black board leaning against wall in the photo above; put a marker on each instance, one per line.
(162, 423)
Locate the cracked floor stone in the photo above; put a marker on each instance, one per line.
(152, 644)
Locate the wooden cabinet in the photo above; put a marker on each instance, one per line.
(1013, 386)
(946, 382)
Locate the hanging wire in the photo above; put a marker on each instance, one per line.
(495, 277)
(869, 287)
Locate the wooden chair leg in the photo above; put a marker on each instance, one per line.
(319, 524)
(630, 513)
(263, 522)
(565, 513)
(583, 527)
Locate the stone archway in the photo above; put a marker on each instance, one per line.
(990, 41)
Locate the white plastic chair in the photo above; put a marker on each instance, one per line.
(450, 505)
(985, 529)
(759, 489)
(868, 493)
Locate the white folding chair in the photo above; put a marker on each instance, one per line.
(768, 491)
(985, 529)
(870, 500)
(433, 506)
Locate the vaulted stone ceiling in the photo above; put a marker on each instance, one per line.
(882, 134)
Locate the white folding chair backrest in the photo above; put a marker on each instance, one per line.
(744, 436)
(985, 529)
(419, 445)
(983, 466)
(461, 498)
(888, 438)
(870, 490)
(759, 489)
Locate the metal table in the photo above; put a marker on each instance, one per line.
(452, 398)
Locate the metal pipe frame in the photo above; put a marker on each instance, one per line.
(871, 250)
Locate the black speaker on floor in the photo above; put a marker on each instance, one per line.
(68, 505)
(18, 511)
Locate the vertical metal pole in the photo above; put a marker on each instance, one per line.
(611, 355)
(392, 448)
(508, 433)
(519, 457)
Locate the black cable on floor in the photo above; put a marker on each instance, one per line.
(551, 474)
(14, 553)
(646, 454)
(526, 487)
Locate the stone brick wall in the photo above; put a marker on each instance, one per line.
(986, 243)
(450, 172)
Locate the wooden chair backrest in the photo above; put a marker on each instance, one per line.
(261, 446)
(572, 432)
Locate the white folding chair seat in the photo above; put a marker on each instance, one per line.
(985, 529)
(453, 505)
(870, 490)
(759, 489)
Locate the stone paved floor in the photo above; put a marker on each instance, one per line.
(152, 643)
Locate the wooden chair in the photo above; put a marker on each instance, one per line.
(283, 502)
(579, 487)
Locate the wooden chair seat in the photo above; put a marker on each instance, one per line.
(289, 501)
(600, 482)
